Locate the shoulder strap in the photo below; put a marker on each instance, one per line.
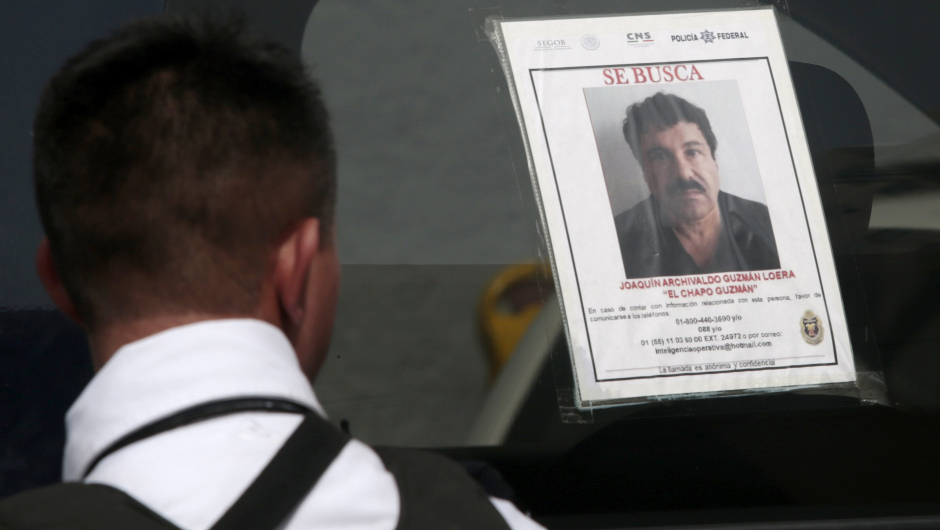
(436, 492)
(195, 414)
(288, 478)
(278, 490)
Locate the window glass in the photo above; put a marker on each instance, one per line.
(435, 203)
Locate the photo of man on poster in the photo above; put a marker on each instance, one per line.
(687, 225)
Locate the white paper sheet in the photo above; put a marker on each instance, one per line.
(678, 309)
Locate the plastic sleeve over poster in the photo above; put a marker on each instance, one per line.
(677, 193)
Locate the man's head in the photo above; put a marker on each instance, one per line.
(171, 161)
(673, 141)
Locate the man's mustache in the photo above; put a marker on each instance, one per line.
(681, 186)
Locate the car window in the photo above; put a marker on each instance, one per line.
(434, 206)
(449, 333)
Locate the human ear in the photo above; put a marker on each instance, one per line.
(292, 268)
(49, 276)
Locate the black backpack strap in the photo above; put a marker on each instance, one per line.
(436, 492)
(288, 478)
(195, 414)
(274, 494)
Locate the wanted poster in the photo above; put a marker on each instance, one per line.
(680, 205)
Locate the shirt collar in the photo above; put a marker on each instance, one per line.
(175, 369)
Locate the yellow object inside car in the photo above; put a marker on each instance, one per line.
(510, 303)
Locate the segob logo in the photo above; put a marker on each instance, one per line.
(552, 44)
(590, 42)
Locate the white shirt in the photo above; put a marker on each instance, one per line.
(191, 475)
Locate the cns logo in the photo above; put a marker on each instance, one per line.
(552, 44)
(642, 38)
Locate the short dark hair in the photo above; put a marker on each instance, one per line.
(169, 161)
(660, 112)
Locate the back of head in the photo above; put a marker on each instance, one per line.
(169, 161)
(660, 112)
